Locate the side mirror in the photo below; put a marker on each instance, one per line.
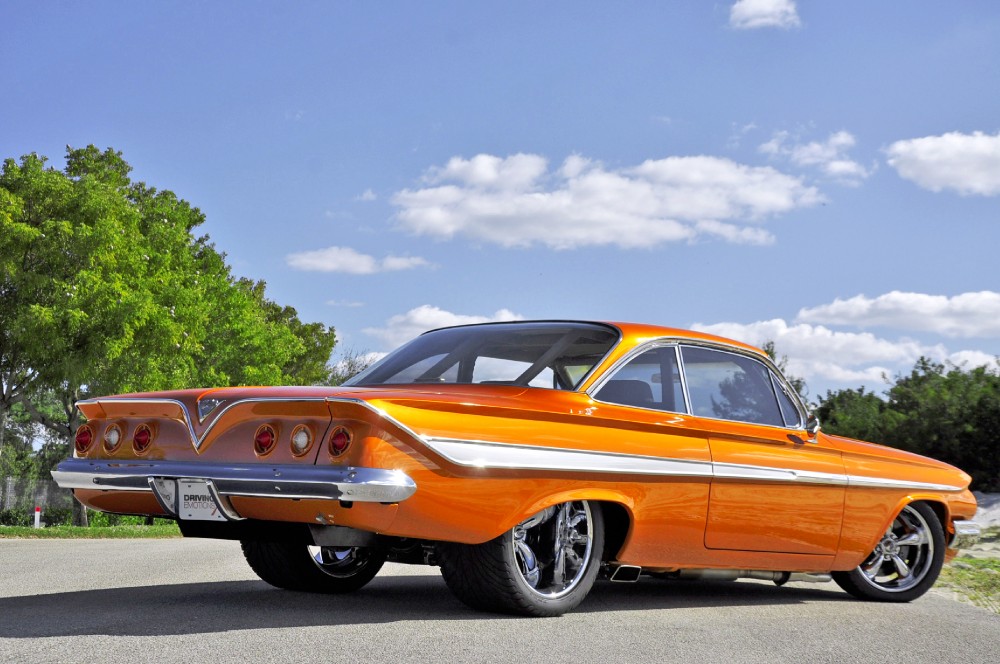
(812, 424)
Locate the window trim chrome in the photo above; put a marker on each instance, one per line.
(679, 343)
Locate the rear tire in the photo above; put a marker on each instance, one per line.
(905, 563)
(544, 566)
(314, 569)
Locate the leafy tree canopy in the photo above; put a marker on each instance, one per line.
(104, 288)
(942, 411)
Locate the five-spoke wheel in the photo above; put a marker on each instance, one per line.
(544, 566)
(906, 561)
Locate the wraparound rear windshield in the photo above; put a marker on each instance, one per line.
(551, 355)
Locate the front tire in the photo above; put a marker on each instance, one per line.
(544, 566)
(318, 569)
(905, 563)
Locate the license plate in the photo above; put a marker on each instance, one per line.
(195, 502)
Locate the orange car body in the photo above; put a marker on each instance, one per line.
(471, 461)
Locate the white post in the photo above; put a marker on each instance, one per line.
(38, 517)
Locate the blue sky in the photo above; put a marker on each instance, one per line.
(824, 175)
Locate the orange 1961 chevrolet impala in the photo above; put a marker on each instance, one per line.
(526, 459)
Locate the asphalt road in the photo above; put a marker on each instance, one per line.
(197, 602)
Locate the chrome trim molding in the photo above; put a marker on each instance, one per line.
(196, 440)
(487, 454)
(173, 402)
(481, 454)
(763, 473)
(371, 485)
(883, 483)
(966, 534)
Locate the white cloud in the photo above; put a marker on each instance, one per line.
(750, 14)
(965, 163)
(349, 261)
(518, 201)
(366, 196)
(820, 354)
(964, 315)
(402, 327)
(829, 156)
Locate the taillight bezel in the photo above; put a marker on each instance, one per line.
(332, 448)
(137, 447)
(261, 449)
(106, 437)
(300, 429)
(91, 437)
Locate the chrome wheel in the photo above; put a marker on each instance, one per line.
(906, 561)
(543, 566)
(315, 569)
(904, 555)
(553, 547)
(342, 562)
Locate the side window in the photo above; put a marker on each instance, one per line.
(788, 411)
(650, 380)
(728, 386)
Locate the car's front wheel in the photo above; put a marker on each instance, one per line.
(544, 566)
(319, 569)
(906, 561)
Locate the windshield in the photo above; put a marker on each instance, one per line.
(550, 355)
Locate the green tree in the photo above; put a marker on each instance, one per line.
(856, 414)
(798, 384)
(104, 288)
(942, 411)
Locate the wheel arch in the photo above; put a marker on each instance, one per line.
(616, 507)
(934, 501)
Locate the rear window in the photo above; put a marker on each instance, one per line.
(549, 355)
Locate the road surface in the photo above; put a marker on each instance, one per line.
(196, 601)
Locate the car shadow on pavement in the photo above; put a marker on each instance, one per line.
(241, 605)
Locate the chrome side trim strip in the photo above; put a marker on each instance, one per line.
(287, 481)
(884, 483)
(481, 454)
(487, 454)
(763, 473)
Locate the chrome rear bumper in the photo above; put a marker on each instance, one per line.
(371, 485)
(966, 534)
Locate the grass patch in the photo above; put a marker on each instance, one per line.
(158, 531)
(977, 579)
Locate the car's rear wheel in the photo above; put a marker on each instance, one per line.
(906, 561)
(320, 569)
(544, 566)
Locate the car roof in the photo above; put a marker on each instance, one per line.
(633, 334)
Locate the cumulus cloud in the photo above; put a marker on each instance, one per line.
(829, 156)
(965, 315)
(751, 14)
(349, 261)
(402, 327)
(965, 163)
(518, 201)
(367, 196)
(818, 353)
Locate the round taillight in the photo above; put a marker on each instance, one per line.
(142, 438)
(84, 438)
(264, 439)
(301, 440)
(340, 440)
(112, 437)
